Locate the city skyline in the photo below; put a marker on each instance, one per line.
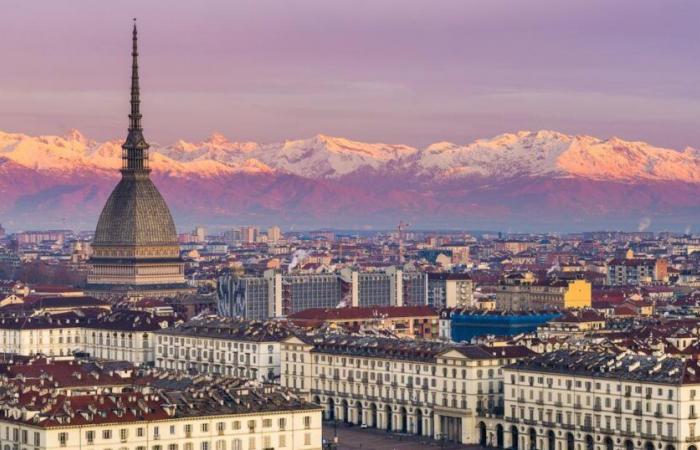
(252, 278)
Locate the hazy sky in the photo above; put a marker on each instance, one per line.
(403, 71)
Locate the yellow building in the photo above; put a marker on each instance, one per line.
(578, 294)
(533, 295)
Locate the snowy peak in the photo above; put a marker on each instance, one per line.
(329, 157)
(555, 154)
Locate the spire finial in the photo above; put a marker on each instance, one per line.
(135, 155)
(135, 116)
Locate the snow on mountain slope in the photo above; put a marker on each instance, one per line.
(329, 157)
(541, 153)
(74, 152)
(556, 154)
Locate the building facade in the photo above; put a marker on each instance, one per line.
(125, 336)
(226, 416)
(274, 294)
(418, 387)
(223, 346)
(538, 296)
(450, 290)
(571, 400)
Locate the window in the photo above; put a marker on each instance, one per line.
(307, 422)
(37, 439)
(139, 432)
(267, 423)
(205, 427)
(237, 444)
(204, 446)
(220, 427)
(123, 434)
(282, 423)
(172, 447)
(282, 441)
(267, 442)
(307, 438)
(237, 425)
(188, 429)
(90, 437)
(62, 439)
(106, 434)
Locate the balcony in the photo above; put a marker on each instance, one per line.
(658, 414)
(692, 439)
(596, 408)
(628, 433)
(637, 412)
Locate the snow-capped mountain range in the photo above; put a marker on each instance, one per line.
(330, 177)
(513, 154)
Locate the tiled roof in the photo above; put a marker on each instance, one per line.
(321, 314)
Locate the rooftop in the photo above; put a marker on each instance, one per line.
(624, 366)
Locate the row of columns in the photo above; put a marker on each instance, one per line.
(381, 418)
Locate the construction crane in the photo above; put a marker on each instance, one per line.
(401, 227)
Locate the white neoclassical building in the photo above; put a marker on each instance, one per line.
(119, 335)
(582, 400)
(224, 346)
(418, 387)
(211, 417)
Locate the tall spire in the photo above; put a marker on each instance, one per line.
(135, 148)
(135, 116)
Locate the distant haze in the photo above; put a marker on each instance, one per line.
(401, 71)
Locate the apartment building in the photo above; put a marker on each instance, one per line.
(631, 271)
(571, 400)
(526, 293)
(449, 290)
(121, 335)
(274, 294)
(420, 387)
(224, 346)
(230, 414)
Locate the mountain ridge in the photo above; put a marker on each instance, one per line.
(526, 179)
(510, 154)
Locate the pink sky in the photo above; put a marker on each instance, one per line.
(404, 71)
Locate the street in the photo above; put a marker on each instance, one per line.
(354, 438)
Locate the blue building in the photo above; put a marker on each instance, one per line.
(468, 324)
